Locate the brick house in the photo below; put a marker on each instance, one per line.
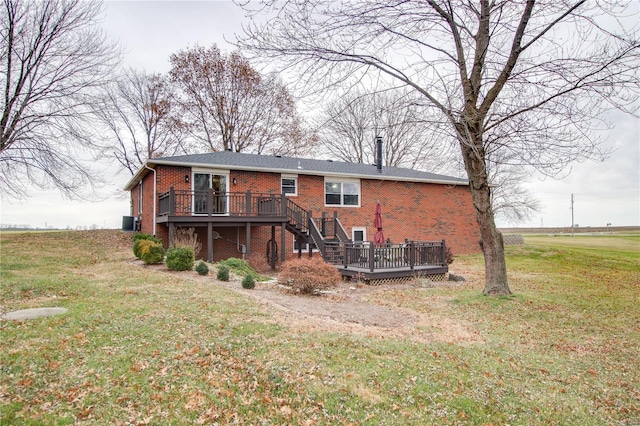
(236, 202)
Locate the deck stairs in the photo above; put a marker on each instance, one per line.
(321, 232)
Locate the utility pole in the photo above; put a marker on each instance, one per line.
(572, 215)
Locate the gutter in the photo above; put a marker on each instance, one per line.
(154, 197)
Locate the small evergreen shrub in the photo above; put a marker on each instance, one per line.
(309, 275)
(151, 252)
(240, 267)
(180, 258)
(223, 273)
(137, 240)
(248, 282)
(202, 268)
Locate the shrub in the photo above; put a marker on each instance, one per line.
(248, 282)
(187, 237)
(202, 268)
(137, 240)
(309, 275)
(151, 252)
(180, 258)
(141, 236)
(258, 261)
(223, 273)
(240, 267)
(448, 255)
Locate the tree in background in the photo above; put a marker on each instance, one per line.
(350, 124)
(53, 60)
(138, 112)
(228, 105)
(525, 81)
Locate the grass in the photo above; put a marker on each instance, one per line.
(143, 346)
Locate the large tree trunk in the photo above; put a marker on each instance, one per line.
(491, 241)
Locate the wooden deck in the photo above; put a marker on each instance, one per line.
(373, 262)
(361, 260)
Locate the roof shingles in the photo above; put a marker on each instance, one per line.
(242, 161)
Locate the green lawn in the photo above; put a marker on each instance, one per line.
(141, 346)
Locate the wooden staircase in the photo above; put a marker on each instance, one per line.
(314, 231)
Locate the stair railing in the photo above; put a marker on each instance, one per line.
(296, 215)
(316, 236)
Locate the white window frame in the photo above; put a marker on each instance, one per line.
(305, 247)
(357, 229)
(342, 181)
(140, 198)
(211, 172)
(295, 179)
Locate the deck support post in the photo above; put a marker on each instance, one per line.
(283, 241)
(172, 233)
(372, 258)
(345, 256)
(443, 253)
(247, 250)
(209, 242)
(412, 255)
(248, 203)
(273, 255)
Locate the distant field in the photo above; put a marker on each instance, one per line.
(622, 243)
(145, 346)
(631, 230)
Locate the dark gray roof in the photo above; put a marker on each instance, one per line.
(282, 164)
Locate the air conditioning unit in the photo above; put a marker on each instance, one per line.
(130, 223)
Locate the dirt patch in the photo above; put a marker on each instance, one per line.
(348, 308)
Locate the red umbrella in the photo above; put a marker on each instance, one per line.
(377, 222)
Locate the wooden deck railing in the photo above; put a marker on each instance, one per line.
(194, 203)
(372, 257)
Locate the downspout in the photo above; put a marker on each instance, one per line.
(154, 197)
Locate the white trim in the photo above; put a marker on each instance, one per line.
(341, 181)
(305, 247)
(289, 176)
(354, 229)
(210, 170)
(211, 173)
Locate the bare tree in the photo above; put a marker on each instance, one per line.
(53, 57)
(526, 78)
(230, 106)
(351, 123)
(139, 114)
(510, 200)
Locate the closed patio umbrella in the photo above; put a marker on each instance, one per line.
(377, 223)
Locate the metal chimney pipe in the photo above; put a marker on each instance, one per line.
(379, 153)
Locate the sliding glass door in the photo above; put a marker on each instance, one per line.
(203, 184)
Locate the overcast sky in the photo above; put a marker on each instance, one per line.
(607, 192)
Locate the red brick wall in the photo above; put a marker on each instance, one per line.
(414, 211)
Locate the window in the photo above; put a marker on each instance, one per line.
(305, 246)
(342, 193)
(140, 197)
(289, 185)
(359, 234)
